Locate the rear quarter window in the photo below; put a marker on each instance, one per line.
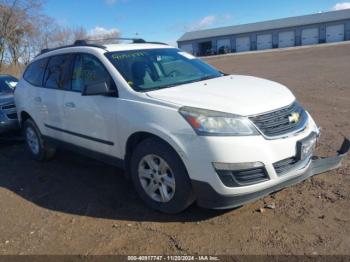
(34, 73)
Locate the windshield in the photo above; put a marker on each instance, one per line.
(152, 69)
(7, 84)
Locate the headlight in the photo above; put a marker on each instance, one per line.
(213, 123)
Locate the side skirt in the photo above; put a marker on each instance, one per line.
(110, 160)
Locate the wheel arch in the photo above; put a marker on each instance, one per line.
(137, 137)
(23, 116)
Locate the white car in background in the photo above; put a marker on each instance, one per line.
(183, 131)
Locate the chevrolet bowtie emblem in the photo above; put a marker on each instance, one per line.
(294, 117)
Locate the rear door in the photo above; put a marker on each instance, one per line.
(90, 121)
(30, 93)
(56, 81)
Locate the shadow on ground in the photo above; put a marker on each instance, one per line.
(81, 186)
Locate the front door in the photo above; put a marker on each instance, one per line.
(90, 121)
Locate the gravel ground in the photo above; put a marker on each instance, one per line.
(75, 205)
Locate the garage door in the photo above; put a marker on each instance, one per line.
(310, 36)
(187, 48)
(286, 39)
(223, 44)
(242, 44)
(264, 42)
(335, 33)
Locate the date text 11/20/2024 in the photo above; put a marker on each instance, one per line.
(173, 258)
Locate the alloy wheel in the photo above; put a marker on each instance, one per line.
(157, 178)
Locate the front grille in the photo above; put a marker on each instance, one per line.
(245, 177)
(279, 122)
(12, 116)
(6, 107)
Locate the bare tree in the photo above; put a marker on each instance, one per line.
(25, 31)
(53, 36)
(38, 39)
(79, 33)
(16, 18)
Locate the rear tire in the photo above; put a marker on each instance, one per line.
(37, 146)
(160, 177)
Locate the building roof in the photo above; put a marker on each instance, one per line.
(268, 25)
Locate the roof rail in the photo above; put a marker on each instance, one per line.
(133, 40)
(99, 43)
(76, 44)
(104, 40)
(86, 43)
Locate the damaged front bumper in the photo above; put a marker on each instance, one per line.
(207, 197)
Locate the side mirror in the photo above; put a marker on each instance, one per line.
(98, 88)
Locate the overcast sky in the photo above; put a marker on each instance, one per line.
(167, 20)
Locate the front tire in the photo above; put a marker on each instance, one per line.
(37, 146)
(160, 177)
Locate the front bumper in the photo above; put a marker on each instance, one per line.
(207, 197)
(8, 117)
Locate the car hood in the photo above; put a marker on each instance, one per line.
(6, 99)
(236, 94)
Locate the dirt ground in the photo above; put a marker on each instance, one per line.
(75, 205)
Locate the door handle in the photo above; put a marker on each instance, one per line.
(38, 99)
(69, 105)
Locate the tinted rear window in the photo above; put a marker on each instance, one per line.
(35, 72)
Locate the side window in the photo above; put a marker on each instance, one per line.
(35, 72)
(57, 74)
(89, 70)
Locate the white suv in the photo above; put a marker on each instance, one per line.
(182, 130)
